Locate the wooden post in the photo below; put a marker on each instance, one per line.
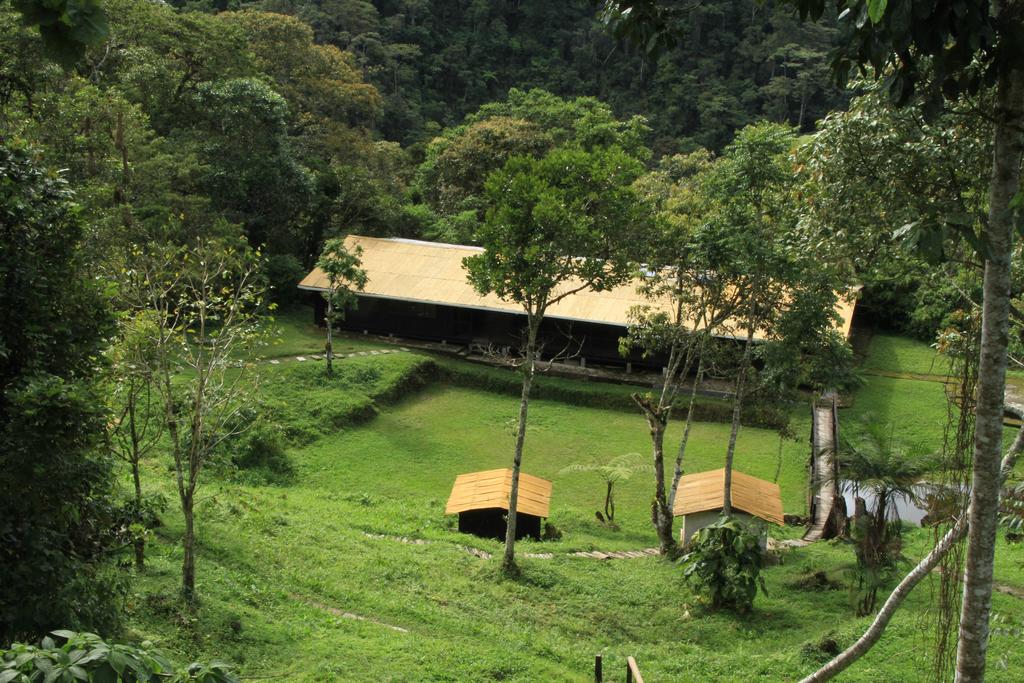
(629, 368)
(583, 362)
(598, 674)
(633, 671)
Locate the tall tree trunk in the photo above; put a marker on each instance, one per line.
(988, 431)
(737, 411)
(140, 541)
(330, 338)
(661, 514)
(657, 416)
(508, 561)
(188, 562)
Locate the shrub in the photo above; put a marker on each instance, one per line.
(283, 272)
(86, 657)
(262, 448)
(725, 561)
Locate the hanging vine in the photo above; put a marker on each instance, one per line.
(959, 342)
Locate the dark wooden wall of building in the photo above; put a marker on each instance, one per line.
(595, 342)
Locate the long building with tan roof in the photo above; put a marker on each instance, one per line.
(419, 290)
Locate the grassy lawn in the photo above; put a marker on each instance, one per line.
(914, 404)
(297, 335)
(283, 569)
(890, 353)
(915, 409)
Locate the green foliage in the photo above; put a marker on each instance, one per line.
(620, 468)
(566, 217)
(57, 529)
(284, 272)
(958, 50)
(878, 464)
(86, 657)
(435, 62)
(67, 27)
(345, 277)
(725, 560)
(893, 191)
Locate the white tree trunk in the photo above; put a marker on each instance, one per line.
(988, 431)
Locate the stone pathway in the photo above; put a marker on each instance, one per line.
(484, 555)
(337, 356)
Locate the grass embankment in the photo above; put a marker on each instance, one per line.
(296, 335)
(900, 356)
(283, 569)
(905, 388)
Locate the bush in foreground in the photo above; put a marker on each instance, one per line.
(86, 657)
(725, 562)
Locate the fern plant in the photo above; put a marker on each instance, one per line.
(618, 469)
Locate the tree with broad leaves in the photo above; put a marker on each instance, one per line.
(689, 302)
(554, 227)
(67, 27)
(345, 277)
(55, 479)
(936, 50)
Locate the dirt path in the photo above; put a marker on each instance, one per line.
(342, 613)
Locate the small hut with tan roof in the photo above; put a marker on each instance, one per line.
(480, 499)
(701, 497)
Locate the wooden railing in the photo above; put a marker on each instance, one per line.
(632, 671)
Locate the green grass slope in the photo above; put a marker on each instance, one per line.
(295, 585)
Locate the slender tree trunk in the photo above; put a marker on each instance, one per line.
(188, 562)
(988, 431)
(508, 561)
(681, 452)
(330, 338)
(609, 503)
(140, 542)
(661, 514)
(737, 410)
(136, 455)
(851, 654)
(657, 416)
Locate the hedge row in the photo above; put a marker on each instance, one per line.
(600, 395)
(307, 404)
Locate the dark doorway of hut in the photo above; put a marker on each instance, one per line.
(493, 523)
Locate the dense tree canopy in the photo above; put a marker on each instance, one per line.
(435, 61)
(53, 320)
